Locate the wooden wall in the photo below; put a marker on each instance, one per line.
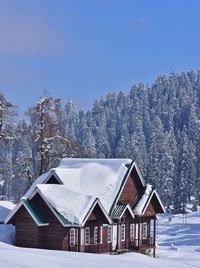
(26, 230)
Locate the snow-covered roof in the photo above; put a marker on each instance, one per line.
(146, 199)
(138, 210)
(100, 178)
(71, 205)
(84, 183)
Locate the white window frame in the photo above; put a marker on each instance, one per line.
(72, 237)
(101, 235)
(96, 235)
(87, 235)
(144, 230)
(109, 234)
(132, 231)
(123, 232)
(152, 228)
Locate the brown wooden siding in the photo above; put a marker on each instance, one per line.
(153, 207)
(133, 189)
(97, 215)
(44, 210)
(129, 192)
(26, 230)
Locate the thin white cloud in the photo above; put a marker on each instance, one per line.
(26, 31)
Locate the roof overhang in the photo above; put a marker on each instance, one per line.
(18, 206)
(97, 201)
(154, 192)
(37, 191)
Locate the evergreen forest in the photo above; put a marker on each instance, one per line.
(158, 126)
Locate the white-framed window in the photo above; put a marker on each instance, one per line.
(132, 231)
(152, 228)
(87, 235)
(72, 237)
(96, 234)
(101, 235)
(123, 232)
(109, 238)
(144, 230)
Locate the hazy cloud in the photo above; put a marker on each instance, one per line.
(26, 31)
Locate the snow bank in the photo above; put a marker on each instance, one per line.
(5, 209)
(34, 258)
(7, 232)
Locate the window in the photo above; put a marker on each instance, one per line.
(132, 226)
(72, 237)
(109, 234)
(96, 234)
(144, 230)
(152, 228)
(101, 235)
(123, 226)
(87, 235)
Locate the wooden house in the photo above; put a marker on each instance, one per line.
(89, 205)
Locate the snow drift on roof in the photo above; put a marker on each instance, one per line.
(100, 178)
(142, 202)
(71, 205)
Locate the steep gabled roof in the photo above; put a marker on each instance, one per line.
(144, 201)
(31, 209)
(71, 205)
(130, 166)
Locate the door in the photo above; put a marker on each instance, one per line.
(114, 237)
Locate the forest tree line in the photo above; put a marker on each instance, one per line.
(158, 126)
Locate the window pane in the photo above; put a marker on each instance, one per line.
(87, 235)
(96, 234)
(144, 230)
(109, 234)
(123, 232)
(72, 237)
(132, 231)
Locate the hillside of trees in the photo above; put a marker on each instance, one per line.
(158, 126)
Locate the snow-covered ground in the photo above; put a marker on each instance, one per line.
(179, 239)
(7, 232)
(178, 247)
(5, 208)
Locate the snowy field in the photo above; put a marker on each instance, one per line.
(178, 246)
(179, 240)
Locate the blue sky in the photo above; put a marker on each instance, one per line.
(81, 49)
